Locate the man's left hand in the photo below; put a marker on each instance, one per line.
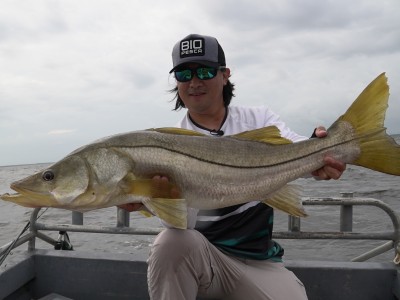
(333, 168)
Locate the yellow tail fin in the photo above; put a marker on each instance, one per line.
(379, 151)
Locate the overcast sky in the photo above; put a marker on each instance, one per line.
(74, 71)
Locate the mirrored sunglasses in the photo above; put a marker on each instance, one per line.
(203, 73)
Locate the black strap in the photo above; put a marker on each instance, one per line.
(218, 132)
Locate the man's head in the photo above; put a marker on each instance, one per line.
(199, 65)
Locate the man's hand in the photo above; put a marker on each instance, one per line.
(333, 168)
(164, 189)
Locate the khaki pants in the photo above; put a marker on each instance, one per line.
(183, 265)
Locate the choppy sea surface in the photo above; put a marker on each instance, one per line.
(360, 181)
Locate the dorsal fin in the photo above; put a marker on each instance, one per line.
(175, 130)
(270, 135)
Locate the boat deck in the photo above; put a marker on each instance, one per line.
(79, 275)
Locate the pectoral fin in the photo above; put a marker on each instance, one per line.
(172, 211)
(288, 200)
(143, 187)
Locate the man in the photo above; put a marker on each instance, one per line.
(228, 253)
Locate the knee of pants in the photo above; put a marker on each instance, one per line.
(173, 245)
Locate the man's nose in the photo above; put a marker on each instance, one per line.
(195, 81)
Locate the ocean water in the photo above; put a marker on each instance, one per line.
(360, 181)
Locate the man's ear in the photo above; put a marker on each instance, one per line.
(226, 75)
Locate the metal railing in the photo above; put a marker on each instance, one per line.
(346, 203)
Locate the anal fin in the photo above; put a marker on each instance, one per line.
(172, 211)
(288, 200)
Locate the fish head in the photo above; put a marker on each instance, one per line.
(56, 186)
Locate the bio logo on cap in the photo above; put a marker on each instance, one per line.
(194, 47)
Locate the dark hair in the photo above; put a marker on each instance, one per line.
(227, 94)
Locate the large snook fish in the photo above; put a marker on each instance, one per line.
(211, 172)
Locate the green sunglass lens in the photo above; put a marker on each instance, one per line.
(184, 75)
(203, 73)
(206, 73)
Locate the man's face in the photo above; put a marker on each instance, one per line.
(202, 96)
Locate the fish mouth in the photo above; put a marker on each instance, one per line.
(20, 190)
(22, 187)
(19, 199)
(28, 198)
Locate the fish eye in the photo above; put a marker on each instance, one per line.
(48, 175)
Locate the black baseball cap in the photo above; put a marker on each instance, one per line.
(196, 48)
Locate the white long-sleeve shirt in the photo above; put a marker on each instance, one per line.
(242, 118)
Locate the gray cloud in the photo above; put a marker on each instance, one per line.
(101, 67)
